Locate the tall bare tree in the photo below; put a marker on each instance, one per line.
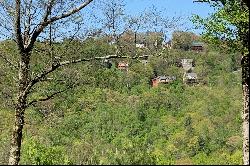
(26, 21)
(137, 23)
(113, 15)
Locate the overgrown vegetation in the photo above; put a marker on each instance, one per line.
(85, 82)
(116, 117)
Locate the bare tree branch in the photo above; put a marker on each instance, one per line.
(69, 13)
(223, 2)
(48, 97)
(47, 21)
(27, 23)
(18, 25)
(49, 70)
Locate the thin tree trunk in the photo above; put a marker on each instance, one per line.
(245, 113)
(20, 107)
(135, 40)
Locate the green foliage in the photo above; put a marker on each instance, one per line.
(35, 153)
(115, 117)
(228, 25)
(183, 40)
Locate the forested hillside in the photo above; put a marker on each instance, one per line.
(124, 82)
(105, 115)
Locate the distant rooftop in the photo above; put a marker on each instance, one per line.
(166, 78)
(191, 75)
(187, 60)
(197, 43)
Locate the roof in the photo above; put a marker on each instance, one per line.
(191, 75)
(122, 64)
(187, 60)
(166, 77)
(197, 43)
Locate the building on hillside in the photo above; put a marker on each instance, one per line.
(190, 78)
(167, 45)
(123, 66)
(141, 45)
(162, 79)
(187, 64)
(197, 46)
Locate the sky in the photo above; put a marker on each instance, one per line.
(172, 8)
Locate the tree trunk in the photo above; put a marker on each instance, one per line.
(16, 140)
(245, 113)
(20, 107)
(135, 40)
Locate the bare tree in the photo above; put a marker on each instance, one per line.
(113, 15)
(137, 23)
(26, 21)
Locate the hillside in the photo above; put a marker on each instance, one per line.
(109, 116)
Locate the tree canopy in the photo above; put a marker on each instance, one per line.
(229, 23)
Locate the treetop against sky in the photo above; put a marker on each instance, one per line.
(172, 8)
(169, 8)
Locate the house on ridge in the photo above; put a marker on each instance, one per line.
(197, 46)
(123, 66)
(162, 79)
(190, 78)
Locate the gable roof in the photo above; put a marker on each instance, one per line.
(191, 75)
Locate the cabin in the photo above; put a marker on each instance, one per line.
(167, 45)
(197, 46)
(190, 78)
(123, 66)
(187, 64)
(141, 45)
(162, 79)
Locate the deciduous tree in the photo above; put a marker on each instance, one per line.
(230, 23)
(26, 21)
